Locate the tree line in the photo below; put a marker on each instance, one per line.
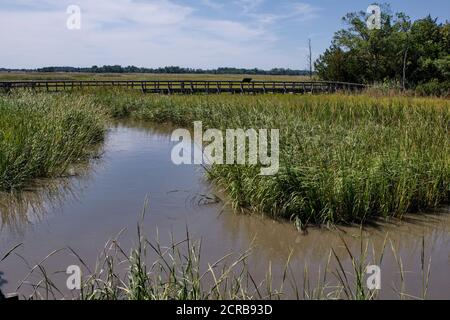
(166, 70)
(404, 53)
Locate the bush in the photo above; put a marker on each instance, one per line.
(434, 88)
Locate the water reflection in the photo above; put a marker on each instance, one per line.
(22, 209)
(279, 238)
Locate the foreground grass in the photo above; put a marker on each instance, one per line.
(344, 159)
(41, 136)
(152, 271)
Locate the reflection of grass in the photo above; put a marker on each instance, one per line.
(343, 158)
(41, 135)
(29, 206)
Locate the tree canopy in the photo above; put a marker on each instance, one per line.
(415, 51)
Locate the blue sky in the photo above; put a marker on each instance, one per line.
(190, 33)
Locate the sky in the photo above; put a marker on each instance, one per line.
(261, 34)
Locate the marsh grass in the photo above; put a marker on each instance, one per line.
(344, 158)
(42, 135)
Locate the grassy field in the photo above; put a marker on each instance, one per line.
(344, 159)
(41, 136)
(20, 76)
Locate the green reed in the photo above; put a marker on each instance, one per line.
(344, 158)
(41, 135)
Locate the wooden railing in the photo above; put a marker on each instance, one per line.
(188, 86)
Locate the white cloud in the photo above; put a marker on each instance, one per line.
(212, 4)
(143, 33)
(249, 6)
(299, 11)
(305, 11)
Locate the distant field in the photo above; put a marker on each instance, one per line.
(11, 76)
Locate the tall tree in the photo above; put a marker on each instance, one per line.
(401, 51)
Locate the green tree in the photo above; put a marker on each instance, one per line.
(401, 51)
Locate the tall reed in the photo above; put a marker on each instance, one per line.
(41, 135)
(152, 271)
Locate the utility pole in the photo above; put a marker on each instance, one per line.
(407, 30)
(404, 69)
(310, 59)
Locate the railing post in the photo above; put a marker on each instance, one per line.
(182, 87)
(7, 87)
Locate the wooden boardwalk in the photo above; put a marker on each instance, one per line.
(188, 87)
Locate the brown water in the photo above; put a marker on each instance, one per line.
(84, 212)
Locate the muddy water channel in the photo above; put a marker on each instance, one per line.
(85, 211)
